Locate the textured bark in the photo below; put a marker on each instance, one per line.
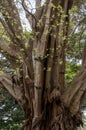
(39, 83)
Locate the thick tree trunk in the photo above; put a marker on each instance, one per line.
(62, 121)
(50, 111)
(40, 87)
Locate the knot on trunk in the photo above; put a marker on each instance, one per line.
(55, 96)
(36, 121)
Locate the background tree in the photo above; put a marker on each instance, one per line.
(11, 116)
(38, 82)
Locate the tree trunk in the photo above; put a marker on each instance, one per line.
(40, 86)
(62, 121)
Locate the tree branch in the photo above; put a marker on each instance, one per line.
(12, 23)
(31, 17)
(38, 4)
(5, 81)
(84, 54)
(14, 89)
(6, 49)
(8, 32)
(73, 95)
(11, 53)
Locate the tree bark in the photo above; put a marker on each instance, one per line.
(39, 86)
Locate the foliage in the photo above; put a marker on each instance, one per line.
(71, 70)
(4, 64)
(11, 115)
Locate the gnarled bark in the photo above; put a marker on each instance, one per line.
(39, 86)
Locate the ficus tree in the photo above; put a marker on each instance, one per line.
(38, 79)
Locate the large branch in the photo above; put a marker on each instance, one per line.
(14, 89)
(11, 52)
(74, 94)
(12, 25)
(5, 48)
(38, 67)
(9, 55)
(6, 82)
(12, 22)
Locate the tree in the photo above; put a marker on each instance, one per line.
(38, 82)
(11, 115)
